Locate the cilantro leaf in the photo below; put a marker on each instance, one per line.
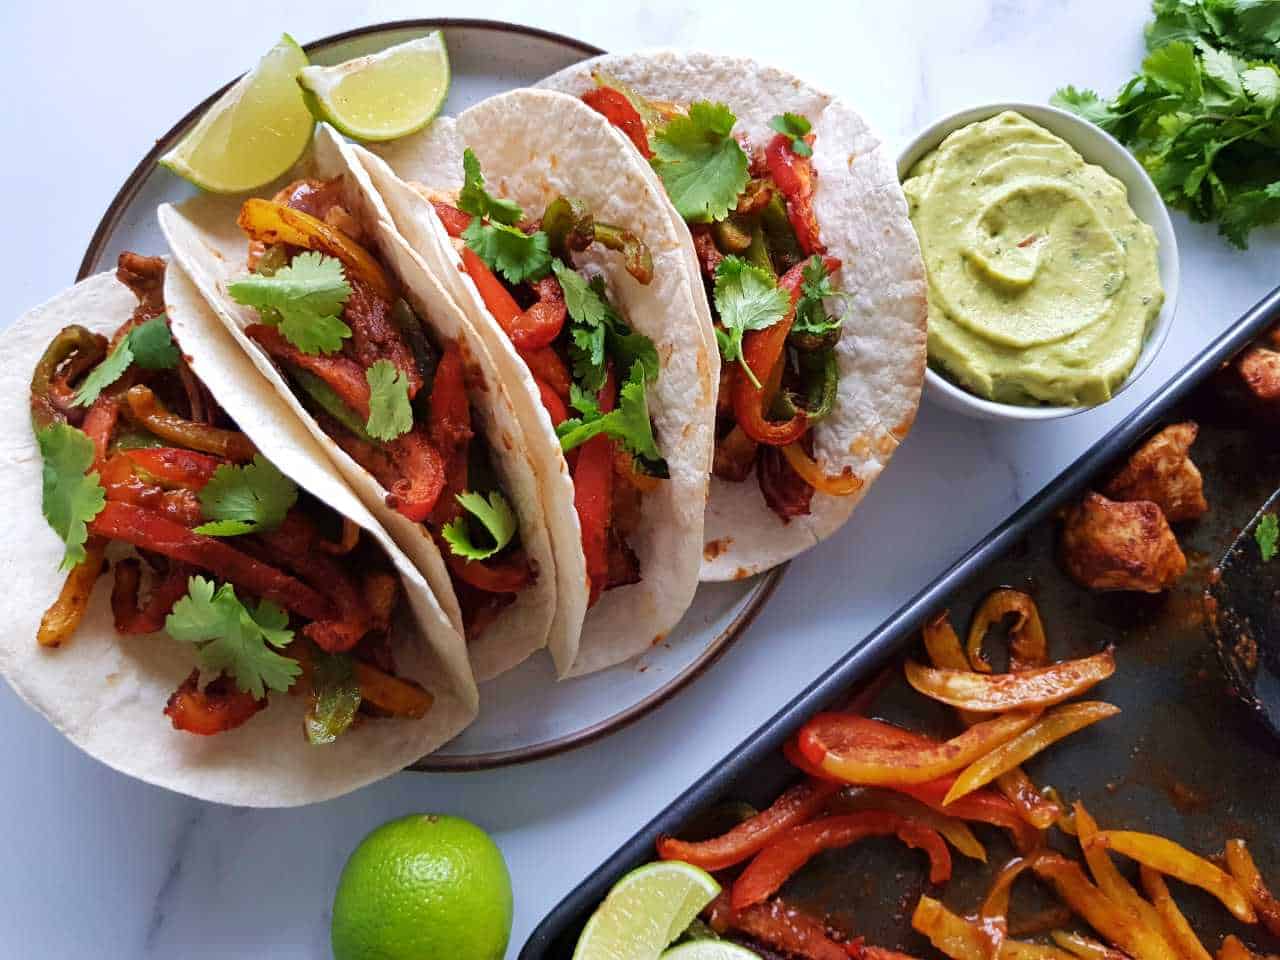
(702, 166)
(494, 514)
(70, 498)
(246, 499)
(746, 298)
(796, 128)
(597, 334)
(149, 345)
(815, 288)
(517, 255)
(584, 401)
(390, 414)
(477, 201)
(1267, 533)
(232, 638)
(1203, 113)
(304, 299)
(334, 699)
(628, 422)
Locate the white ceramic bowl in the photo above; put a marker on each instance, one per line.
(1107, 152)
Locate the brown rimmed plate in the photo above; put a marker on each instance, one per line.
(524, 714)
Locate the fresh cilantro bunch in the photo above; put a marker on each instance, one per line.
(304, 299)
(746, 298)
(70, 497)
(233, 638)
(597, 333)
(1203, 116)
(246, 499)
(149, 345)
(492, 232)
(494, 514)
(700, 163)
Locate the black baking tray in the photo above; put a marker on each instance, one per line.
(1189, 787)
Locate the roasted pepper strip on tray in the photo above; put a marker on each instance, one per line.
(1245, 871)
(994, 693)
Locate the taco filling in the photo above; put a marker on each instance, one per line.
(207, 540)
(381, 384)
(768, 280)
(591, 368)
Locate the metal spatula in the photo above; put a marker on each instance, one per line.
(1244, 620)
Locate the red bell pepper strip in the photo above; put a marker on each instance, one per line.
(216, 708)
(174, 466)
(129, 618)
(794, 176)
(454, 220)
(764, 351)
(344, 375)
(799, 804)
(99, 423)
(552, 403)
(509, 575)
(593, 495)
(617, 109)
(546, 365)
(120, 482)
(785, 855)
(149, 530)
(420, 475)
(527, 329)
(450, 416)
(781, 926)
(983, 806)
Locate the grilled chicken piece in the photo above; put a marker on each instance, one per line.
(1259, 369)
(1161, 471)
(1120, 546)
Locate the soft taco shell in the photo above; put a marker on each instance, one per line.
(211, 248)
(532, 146)
(862, 215)
(106, 692)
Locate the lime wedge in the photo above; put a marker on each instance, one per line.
(709, 950)
(384, 95)
(645, 911)
(254, 133)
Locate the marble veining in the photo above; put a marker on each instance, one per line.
(98, 865)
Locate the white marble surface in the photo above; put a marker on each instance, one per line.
(97, 865)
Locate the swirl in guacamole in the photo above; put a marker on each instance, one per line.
(1043, 283)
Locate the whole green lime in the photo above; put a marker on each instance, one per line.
(424, 887)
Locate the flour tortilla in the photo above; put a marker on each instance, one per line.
(534, 145)
(862, 215)
(211, 248)
(107, 692)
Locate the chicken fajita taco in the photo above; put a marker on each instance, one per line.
(188, 598)
(549, 231)
(367, 348)
(793, 223)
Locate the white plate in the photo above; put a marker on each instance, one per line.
(524, 714)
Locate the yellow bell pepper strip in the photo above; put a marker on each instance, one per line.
(1086, 948)
(863, 751)
(1178, 862)
(65, 613)
(269, 222)
(1241, 866)
(961, 939)
(1177, 930)
(843, 484)
(954, 830)
(996, 693)
(993, 915)
(1111, 881)
(1120, 926)
(1233, 948)
(1027, 645)
(1060, 722)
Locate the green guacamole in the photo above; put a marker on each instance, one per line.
(1043, 283)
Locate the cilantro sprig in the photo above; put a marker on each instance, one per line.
(246, 499)
(597, 334)
(492, 233)
(231, 637)
(815, 289)
(746, 298)
(494, 514)
(70, 497)
(149, 345)
(390, 413)
(1203, 115)
(701, 164)
(304, 299)
(794, 127)
(628, 422)
(1267, 535)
